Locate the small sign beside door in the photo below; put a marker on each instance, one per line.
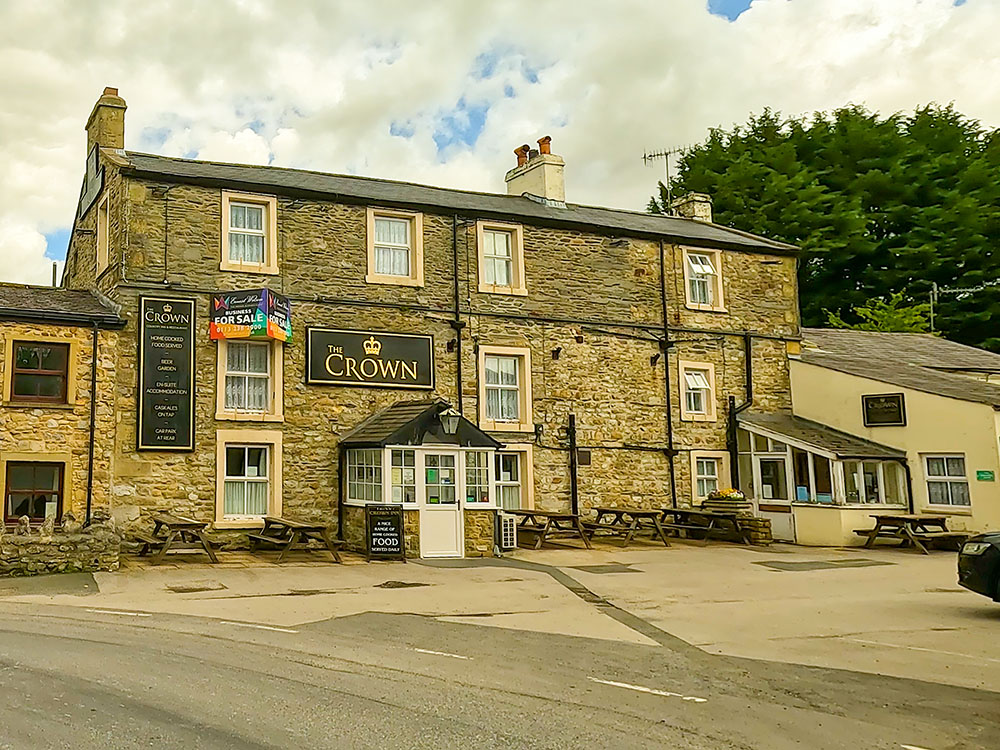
(384, 531)
(985, 476)
(884, 410)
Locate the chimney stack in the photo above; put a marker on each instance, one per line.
(538, 173)
(106, 125)
(696, 206)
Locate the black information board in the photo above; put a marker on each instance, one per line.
(166, 374)
(369, 358)
(384, 531)
(884, 410)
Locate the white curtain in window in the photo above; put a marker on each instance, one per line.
(392, 247)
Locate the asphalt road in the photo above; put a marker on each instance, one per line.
(73, 677)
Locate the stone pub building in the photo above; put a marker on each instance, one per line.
(303, 344)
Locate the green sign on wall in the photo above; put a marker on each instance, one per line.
(985, 476)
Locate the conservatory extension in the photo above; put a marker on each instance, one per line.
(816, 484)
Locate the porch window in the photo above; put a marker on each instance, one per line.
(440, 479)
(773, 482)
(947, 483)
(477, 477)
(404, 476)
(247, 484)
(364, 475)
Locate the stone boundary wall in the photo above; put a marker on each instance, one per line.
(35, 551)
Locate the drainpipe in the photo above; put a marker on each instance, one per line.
(909, 486)
(457, 324)
(734, 410)
(93, 426)
(574, 494)
(665, 345)
(341, 456)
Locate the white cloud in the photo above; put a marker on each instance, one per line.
(319, 85)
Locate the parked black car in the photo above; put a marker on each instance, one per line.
(979, 564)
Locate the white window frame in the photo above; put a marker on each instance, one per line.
(402, 484)
(246, 479)
(525, 418)
(723, 477)
(247, 375)
(707, 371)
(364, 458)
(699, 259)
(254, 438)
(275, 400)
(526, 472)
(415, 247)
(948, 479)
(269, 231)
(518, 284)
(483, 481)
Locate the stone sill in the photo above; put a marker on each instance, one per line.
(38, 405)
(248, 416)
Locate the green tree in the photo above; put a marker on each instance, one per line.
(877, 204)
(890, 315)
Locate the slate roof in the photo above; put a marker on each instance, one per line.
(49, 304)
(814, 434)
(410, 423)
(349, 188)
(909, 360)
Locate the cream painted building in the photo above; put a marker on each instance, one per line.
(916, 417)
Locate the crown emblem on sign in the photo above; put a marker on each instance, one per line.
(373, 347)
(167, 308)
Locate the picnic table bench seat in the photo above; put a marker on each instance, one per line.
(911, 530)
(288, 535)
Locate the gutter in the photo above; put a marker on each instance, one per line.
(93, 425)
(665, 344)
(65, 318)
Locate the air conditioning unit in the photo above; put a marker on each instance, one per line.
(507, 526)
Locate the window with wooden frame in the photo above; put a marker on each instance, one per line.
(697, 386)
(703, 280)
(248, 477)
(501, 258)
(249, 233)
(33, 489)
(250, 380)
(40, 372)
(395, 247)
(103, 235)
(505, 389)
(947, 482)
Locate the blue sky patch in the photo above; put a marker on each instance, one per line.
(730, 9)
(56, 243)
(401, 129)
(463, 124)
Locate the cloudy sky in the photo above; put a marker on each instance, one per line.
(441, 92)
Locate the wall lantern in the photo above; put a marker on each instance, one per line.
(449, 421)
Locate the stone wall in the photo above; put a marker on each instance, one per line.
(60, 433)
(480, 532)
(26, 552)
(591, 319)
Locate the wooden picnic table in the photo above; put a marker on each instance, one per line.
(288, 535)
(546, 523)
(171, 532)
(705, 521)
(626, 522)
(910, 529)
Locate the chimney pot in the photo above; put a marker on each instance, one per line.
(110, 91)
(522, 154)
(532, 153)
(545, 144)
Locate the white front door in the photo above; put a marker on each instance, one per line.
(441, 528)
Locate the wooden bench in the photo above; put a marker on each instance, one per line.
(288, 535)
(910, 529)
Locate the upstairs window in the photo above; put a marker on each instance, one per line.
(505, 388)
(249, 233)
(395, 248)
(40, 372)
(703, 279)
(501, 258)
(697, 382)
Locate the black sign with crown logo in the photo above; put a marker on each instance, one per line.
(369, 358)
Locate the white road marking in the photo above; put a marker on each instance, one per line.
(927, 650)
(440, 653)
(117, 612)
(652, 691)
(258, 627)
(912, 747)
